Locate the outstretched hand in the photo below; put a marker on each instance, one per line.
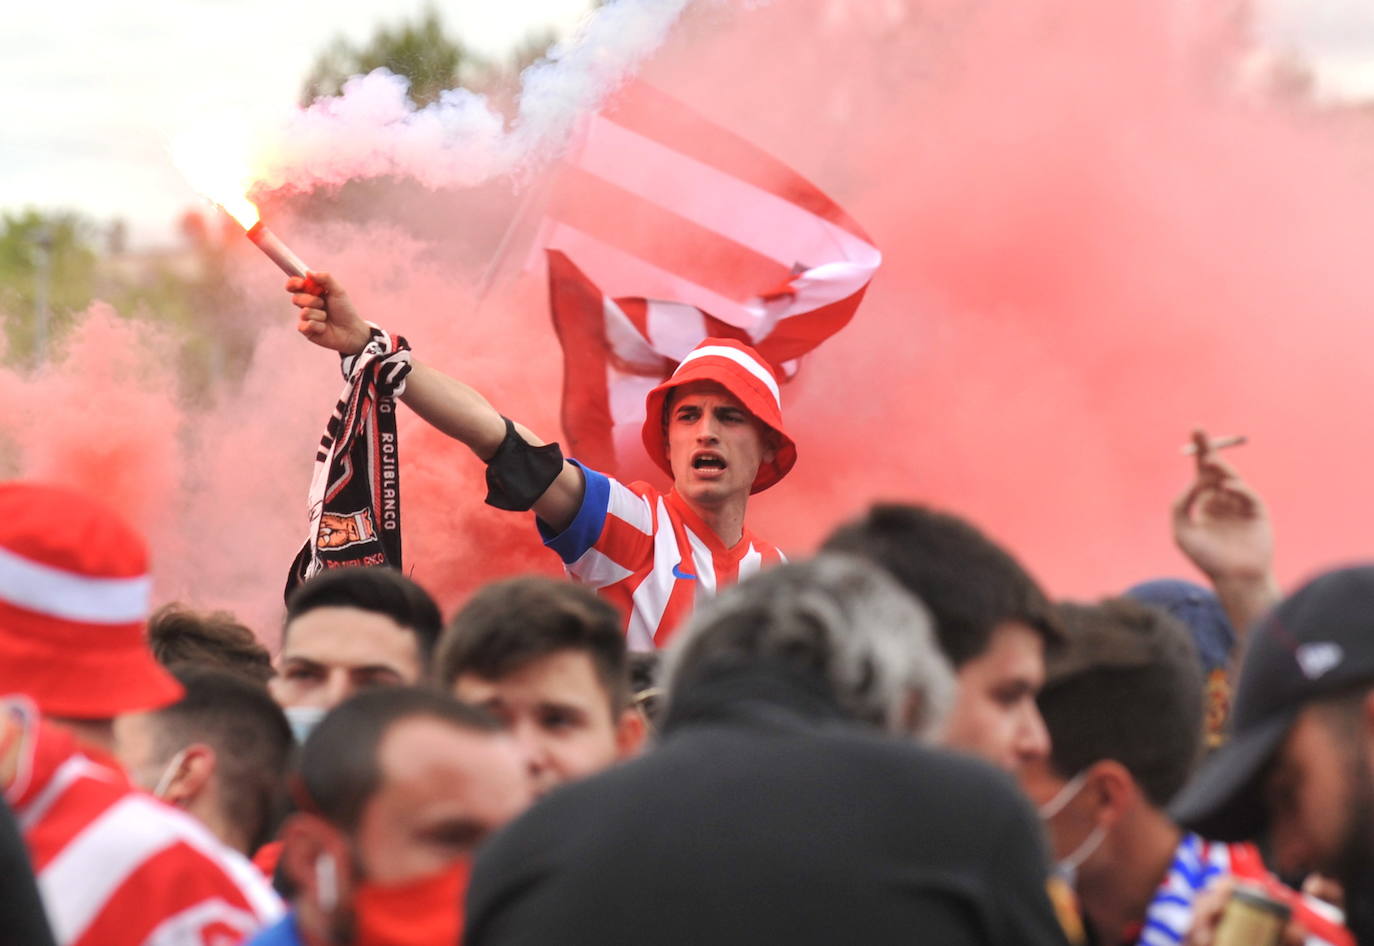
(1221, 523)
(327, 315)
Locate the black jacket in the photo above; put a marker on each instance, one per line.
(22, 920)
(765, 818)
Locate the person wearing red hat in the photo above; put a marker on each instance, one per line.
(715, 427)
(115, 866)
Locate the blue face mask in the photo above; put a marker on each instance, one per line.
(1067, 868)
(303, 720)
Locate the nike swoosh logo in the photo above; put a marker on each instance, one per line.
(679, 573)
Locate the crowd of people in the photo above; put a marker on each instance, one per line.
(901, 739)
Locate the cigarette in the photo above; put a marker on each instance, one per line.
(1221, 443)
(277, 251)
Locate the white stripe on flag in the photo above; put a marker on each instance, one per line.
(674, 329)
(764, 222)
(618, 273)
(62, 594)
(629, 346)
(739, 358)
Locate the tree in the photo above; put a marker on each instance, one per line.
(47, 273)
(421, 51)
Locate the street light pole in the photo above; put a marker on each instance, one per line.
(43, 244)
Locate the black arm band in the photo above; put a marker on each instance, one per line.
(518, 472)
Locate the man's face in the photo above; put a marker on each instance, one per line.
(442, 791)
(994, 714)
(331, 653)
(1319, 797)
(560, 713)
(715, 445)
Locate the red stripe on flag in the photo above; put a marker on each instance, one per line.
(651, 113)
(578, 318)
(797, 335)
(637, 311)
(665, 239)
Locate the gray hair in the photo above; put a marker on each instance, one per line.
(872, 642)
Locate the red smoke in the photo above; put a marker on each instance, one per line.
(1092, 244)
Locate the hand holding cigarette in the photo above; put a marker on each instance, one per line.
(1220, 523)
(1223, 526)
(1221, 443)
(327, 315)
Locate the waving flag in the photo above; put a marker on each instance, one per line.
(665, 229)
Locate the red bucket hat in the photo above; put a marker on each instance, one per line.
(74, 589)
(738, 369)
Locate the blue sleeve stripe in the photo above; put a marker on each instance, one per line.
(574, 541)
(1168, 932)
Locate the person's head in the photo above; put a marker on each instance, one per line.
(548, 658)
(1200, 611)
(179, 635)
(396, 787)
(1297, 767)
(347, 629)
(220, 752)
(715, 426)
(991, 619)
(835, 621)
(1123, 704)
(74, 588)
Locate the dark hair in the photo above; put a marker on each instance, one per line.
(177, 635)
(249, 733)
(338, 769)
(970, 584)
(1126, 685)
(510, 624)
(381, 590)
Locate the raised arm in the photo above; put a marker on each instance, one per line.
(1223, 526)
(329, 319)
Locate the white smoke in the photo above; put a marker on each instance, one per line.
(373, 130)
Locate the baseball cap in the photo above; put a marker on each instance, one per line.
(74, 588)
(1318, 642)
(748, 377)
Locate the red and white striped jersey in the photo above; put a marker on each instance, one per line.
(650, 555)
(1196, 864)
(117, 867)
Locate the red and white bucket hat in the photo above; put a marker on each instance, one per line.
(738, 369)
(74, 589)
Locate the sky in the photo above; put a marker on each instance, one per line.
(95, 90)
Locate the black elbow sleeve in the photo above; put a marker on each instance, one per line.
(518, 473)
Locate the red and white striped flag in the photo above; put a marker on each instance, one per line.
(665, 229)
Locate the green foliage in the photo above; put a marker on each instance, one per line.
(421, 51)
(43, 253)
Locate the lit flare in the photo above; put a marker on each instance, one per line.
(222, 178)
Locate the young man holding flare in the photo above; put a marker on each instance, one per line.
(715, 426)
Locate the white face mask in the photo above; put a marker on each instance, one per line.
(327, 883)
(303, 720)
(169, 774)
(1067, 868)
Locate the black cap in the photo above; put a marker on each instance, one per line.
(1318, 642)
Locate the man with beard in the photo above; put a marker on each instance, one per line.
(1297, 768)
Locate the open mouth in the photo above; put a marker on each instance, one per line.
(708, 461)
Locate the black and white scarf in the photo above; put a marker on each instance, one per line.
(355, 492)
